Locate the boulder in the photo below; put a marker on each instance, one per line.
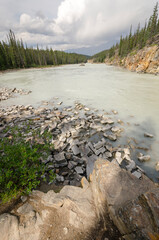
(120, 192)
(114, 205)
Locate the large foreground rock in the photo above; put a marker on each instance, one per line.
(114, 205)
(132, 204)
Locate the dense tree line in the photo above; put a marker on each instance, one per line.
(13, 54)
(133, 41)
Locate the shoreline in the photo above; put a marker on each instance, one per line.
(101, 132)
(31, 68)
(93, 176)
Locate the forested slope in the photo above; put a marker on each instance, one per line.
(13, 54)
(136, 49)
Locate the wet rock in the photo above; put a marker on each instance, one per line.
(148, 135)
(115, 129)
(111, 137)
(131, 166)
(126, 157)
(157, 167)
(59, 103)
(137, 174)
(126, 151)
(145, 158)
(109, 148)
(110, 121)
(140, 170)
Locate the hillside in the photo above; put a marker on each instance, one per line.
(137, 52)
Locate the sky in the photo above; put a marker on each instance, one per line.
(82, 26)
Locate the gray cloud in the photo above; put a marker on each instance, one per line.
(72, 24)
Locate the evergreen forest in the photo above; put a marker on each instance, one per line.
(133, 41)
(13, 54)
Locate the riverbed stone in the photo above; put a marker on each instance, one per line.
(79, 170)
(72, 164)
(60, 157)
(137, 174)
(90, 145)
(131, 166)
(115, 129)
(75, 150)
(145, 158)
(148, 135)
(107, 155)
(157, 167)
(111, 137)
(100, 151)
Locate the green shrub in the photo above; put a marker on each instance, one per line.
(20, 165)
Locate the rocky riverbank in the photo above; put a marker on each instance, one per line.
(6, 93)
(79, 136)
(106, 208)
(145, 60)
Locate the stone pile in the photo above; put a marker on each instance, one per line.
(79, 137)
(6, 93)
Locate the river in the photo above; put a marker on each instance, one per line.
(106, 88)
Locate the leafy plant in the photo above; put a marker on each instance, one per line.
(20, 165)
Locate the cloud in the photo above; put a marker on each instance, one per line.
(76, 23)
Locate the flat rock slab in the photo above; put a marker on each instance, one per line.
(111, 137)
(72, 164)
(98, 145)
(100, 151)
(137, 174)
(60, 157)
(79, 170)
(115, 129)
(75, 150)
